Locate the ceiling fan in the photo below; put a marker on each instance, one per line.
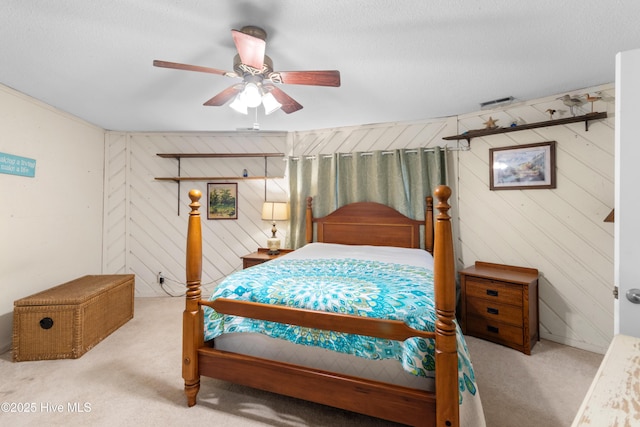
(259, 80)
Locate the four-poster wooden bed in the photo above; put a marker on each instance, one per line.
(362, 224)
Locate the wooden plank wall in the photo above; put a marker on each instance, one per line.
(144, 234)
(384, 136)
(560, 232)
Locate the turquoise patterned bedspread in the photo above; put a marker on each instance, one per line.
(347, 286)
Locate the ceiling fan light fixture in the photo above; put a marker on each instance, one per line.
(270, 103)
(252, 95)
(239, 105)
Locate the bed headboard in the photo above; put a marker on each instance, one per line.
(368, 223)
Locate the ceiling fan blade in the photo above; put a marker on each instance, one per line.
(178, 66)
(224, 96)
(289, 105)
(251, 49)
(311, 78)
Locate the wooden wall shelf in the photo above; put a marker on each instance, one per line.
(178, 179)
(485, 132)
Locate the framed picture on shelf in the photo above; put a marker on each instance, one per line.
(222, 200)
(521, 167)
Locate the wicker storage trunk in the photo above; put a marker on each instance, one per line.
(66, 321)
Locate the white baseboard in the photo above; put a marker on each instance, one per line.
(574, 343)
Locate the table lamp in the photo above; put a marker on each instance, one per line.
(274, 211)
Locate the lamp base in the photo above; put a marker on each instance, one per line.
(274, 246)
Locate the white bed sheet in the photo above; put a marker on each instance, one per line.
(407, 256)
(259, 345)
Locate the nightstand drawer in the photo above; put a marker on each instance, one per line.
(494, 312)
(246, 263)
(495, 331)
(494, 291)
(261, 256)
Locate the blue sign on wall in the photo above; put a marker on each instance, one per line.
(16, 165)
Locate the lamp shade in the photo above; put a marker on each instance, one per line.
(270, 103)
(275, 211)
(239, 105)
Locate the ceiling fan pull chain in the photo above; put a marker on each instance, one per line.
(256, 125)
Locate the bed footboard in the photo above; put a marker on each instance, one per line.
(376, 399)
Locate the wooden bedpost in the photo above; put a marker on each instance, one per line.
(428, 225)
(192, 318)
(447, 394)
(309, 222)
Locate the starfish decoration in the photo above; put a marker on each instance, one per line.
(491, 123)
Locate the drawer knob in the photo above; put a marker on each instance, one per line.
(492, 292)
(493, 329)
(492, 310)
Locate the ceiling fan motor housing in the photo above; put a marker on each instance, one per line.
(243, 69)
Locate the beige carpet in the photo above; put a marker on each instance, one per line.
(133, 377)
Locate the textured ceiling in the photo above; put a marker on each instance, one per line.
(399, 60)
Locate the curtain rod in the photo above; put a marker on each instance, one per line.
(370, 153)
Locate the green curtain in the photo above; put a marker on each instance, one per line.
(397, 178)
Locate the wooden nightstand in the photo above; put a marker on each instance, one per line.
(261, 256)
(500, 303)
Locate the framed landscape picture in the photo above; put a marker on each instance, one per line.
(529, 166)
(222, 200)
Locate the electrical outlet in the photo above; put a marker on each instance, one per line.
(160, 278)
